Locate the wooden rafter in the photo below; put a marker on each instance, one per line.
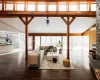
(27, 21)
(54, 34)
(22, 20)
(64, 20)
(67, 21)
(72, 20)
(30, 20)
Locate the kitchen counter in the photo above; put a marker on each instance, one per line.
(6, 48)
(5, 44)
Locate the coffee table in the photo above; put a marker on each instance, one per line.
(51, 55)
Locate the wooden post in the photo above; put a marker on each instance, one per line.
(26, 38)
(33, 42)
(68, 22)
(68, 42)
(26, 22)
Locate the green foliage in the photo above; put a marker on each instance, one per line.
(59, 44)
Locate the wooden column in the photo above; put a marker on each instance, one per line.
(68, 22)
(33, 42)
(68, 42)
(26, 22)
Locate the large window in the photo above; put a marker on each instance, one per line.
(64, 42)
(83, 6)
(20, 6)
(76, 42)
(85, 43)
(41, 7)
(30, 42)
(62, 7)
(73, 6)
(37, 41)
(52, 7)
(93, 7)
(30, 6)
(9, 6)
(50, 40)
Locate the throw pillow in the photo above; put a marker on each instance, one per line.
(94, 56)
(37, 49)
(50, 47)
(42, 47)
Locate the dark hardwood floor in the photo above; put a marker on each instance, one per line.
(12, 67)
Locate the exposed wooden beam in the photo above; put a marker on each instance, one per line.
(53, 34)
(46, 13)
(48, 0)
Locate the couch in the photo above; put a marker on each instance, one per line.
(36, 56)
(94, 60)
(95, 63)
(48, 49)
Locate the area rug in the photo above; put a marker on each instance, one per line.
(58, 65)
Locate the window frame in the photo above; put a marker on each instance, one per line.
(20, 3)
(86, 6)
(52, 3)
(63, 3)
(91, 4)
(41, 3)
(31, 3)
(6, 6)
(73, 3)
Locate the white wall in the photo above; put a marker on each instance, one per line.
(22, 41)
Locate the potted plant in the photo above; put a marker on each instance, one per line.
(59, 45)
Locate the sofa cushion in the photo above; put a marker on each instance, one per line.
(50, 47)
(94, 56)
(50, 50)
(54, 49)
(42, 47)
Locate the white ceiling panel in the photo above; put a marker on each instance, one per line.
(56, 25)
